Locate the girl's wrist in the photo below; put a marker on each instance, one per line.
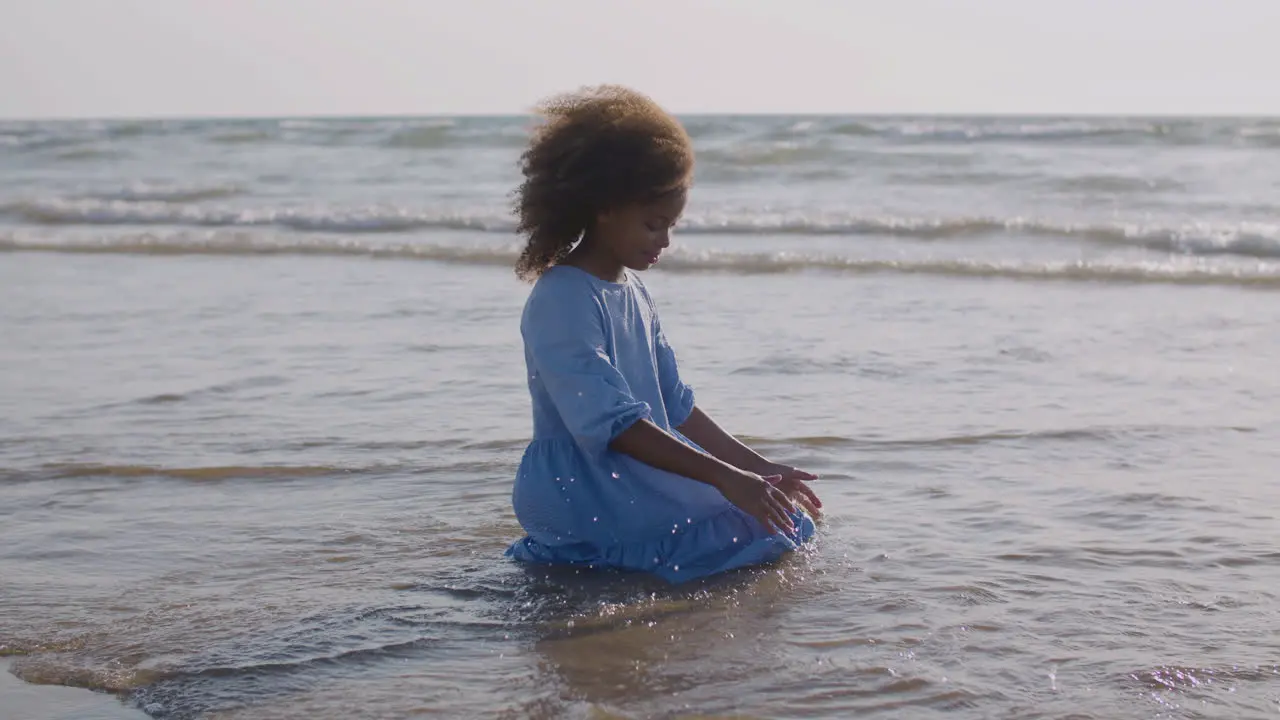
(762, 466)
(730, 476)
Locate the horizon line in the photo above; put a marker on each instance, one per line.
(678, 114)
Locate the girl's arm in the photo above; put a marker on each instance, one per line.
(654, 446)
(704, 431)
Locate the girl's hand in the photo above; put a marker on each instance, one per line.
(761, 499)
(787, 472)
(792, 482)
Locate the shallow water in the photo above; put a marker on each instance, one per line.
(264, 484)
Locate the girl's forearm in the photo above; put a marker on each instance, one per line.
(704, 431)
(654, 446)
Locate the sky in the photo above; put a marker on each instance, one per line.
(184, 58)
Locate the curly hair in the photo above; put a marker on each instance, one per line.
(599, 148)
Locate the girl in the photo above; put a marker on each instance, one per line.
(624, 470)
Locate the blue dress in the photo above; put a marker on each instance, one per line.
(597, 363)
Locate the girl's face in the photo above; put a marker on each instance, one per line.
(636, 235)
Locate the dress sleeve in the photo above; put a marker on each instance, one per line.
(677, 395)
(564, 332)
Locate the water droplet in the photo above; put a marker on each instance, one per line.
(735, 539)
(595, 519)
(688, 521)
(676, 568)
(616, 476)
(570, 479)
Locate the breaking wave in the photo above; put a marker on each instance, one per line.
(443, 133)
(146, 193)
(163, 207)
(1183, 271)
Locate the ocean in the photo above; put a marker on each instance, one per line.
(263, 396)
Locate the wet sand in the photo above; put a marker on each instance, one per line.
(23, 701)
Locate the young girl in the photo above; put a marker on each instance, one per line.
(624, 470)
